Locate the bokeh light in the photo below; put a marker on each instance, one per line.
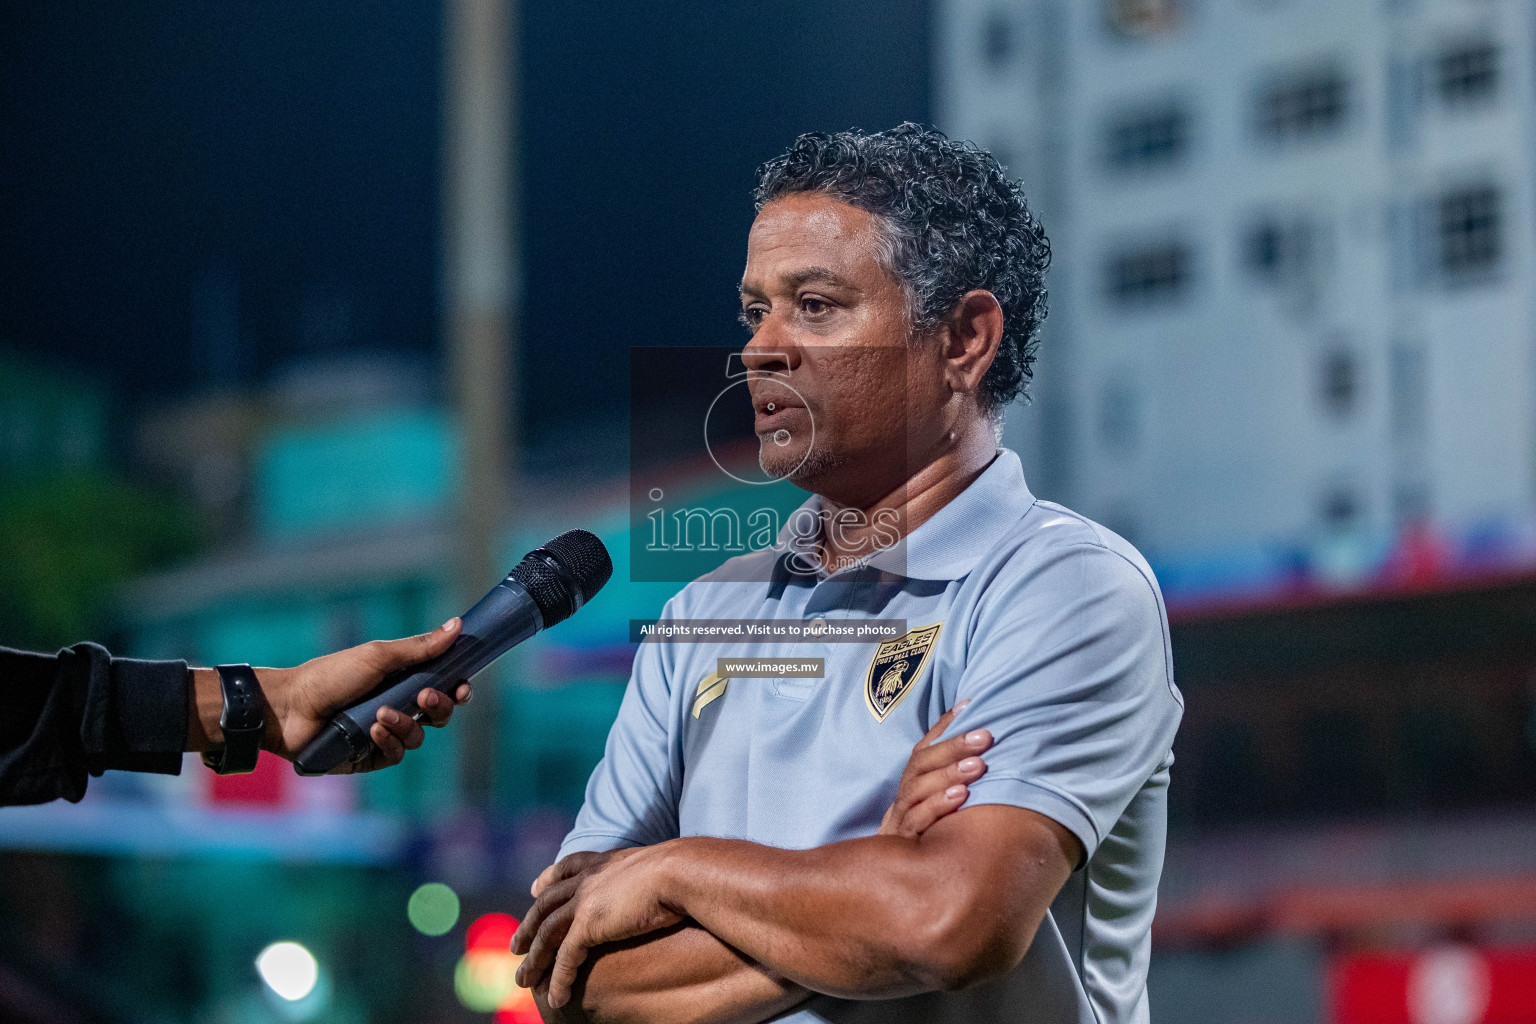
(433, 909)
(484, 980)
(491, 932)
(519, 1008)
(289, 969)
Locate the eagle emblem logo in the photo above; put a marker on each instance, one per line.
(895, 667)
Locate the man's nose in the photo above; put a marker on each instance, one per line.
(770, 351)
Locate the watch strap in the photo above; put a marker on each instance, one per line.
(243, 721)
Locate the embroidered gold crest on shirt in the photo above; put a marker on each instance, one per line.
(896, 666)
(710, 687)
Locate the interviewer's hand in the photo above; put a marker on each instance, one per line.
(937, 778)
(301, 700)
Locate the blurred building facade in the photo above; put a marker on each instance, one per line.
(1292, 297)
(1291, 354)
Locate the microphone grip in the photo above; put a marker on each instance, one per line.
(499, 621)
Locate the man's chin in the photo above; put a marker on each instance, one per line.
(791, 462)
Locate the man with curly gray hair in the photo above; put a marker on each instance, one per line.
(950, 221)
(963, 821)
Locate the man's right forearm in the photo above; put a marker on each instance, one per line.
(683, 975)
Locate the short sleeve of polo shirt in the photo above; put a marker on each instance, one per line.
(632, 796)
(1068, 667)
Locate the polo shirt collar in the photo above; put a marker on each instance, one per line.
(948, 545)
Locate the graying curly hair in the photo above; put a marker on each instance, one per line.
(953, 222)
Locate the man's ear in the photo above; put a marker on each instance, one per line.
(975, 331)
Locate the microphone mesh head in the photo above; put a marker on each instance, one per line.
(564, 574)
(585, 558)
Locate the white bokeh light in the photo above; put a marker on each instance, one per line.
(288, 969)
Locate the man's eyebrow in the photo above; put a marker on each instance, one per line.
(808, 275)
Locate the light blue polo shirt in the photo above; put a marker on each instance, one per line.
(1053, 627)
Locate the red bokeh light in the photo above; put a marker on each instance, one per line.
(519, 1009)
(490, 932)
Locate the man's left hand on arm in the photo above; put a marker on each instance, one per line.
(617, 901)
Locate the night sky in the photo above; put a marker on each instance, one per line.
(273, 164)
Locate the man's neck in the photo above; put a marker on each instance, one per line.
(952, 464)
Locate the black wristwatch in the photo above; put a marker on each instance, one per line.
(244, 722)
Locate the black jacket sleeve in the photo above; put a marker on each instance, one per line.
(79, 712)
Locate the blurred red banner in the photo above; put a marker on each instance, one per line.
(267, 786)
(1443, 985)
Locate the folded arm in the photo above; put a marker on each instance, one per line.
(680, 975)
(683, 972)
(873, 918)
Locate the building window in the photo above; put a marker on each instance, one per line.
(1278, 249)
(1140, 19)
(1340, 508)
(1467, 73)
(1147, 137)
(998, 40)
(1154, 273)
(1339, 383)
(1311, 103)
(1470, 231)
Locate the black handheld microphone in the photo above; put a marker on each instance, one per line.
(547, 587)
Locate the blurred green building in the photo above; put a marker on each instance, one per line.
(73, 526)
(50, 423)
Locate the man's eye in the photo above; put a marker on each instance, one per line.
(815, 307)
